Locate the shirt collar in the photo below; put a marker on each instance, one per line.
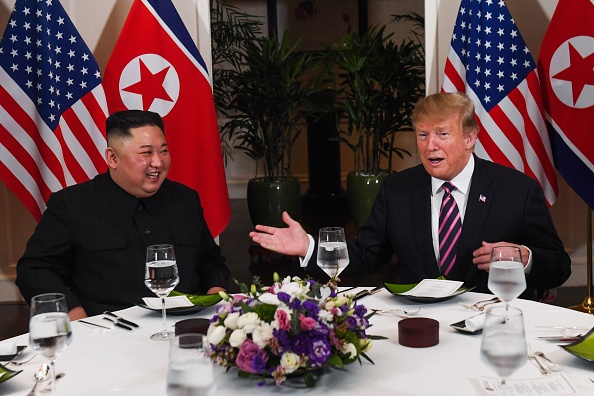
(128, 203)
(461, 180)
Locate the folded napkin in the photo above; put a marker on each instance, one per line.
(475, 323)
(8, 348)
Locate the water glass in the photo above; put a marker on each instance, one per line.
(333, 256)
(190, 371)
(503, 345)
(506, 273)
(49, 328)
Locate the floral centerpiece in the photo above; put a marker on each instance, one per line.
(293, 327)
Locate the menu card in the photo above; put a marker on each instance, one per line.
(170, 302)
(550, 385)
(434, 288)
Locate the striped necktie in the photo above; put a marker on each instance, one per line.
(450, 227)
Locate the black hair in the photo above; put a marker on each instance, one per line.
(119, 124)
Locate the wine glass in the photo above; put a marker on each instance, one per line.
(161, 277)
(503, 346)
(506, 273)
(333, 256)
(49, 328)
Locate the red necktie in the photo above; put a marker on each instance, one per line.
(450, 227)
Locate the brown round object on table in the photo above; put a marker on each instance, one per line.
(418, 332)
(191, 326)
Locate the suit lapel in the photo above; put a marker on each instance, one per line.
(477, 208)
(421, 204)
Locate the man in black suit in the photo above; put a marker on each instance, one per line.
(91, 241)
(497, 206)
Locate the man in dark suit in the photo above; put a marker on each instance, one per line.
(92, 239)
(496, 205)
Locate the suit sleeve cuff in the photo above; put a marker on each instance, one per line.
(528, 266)
(303, 261)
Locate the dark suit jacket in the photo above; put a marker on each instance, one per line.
(514, 210)
(91, 245)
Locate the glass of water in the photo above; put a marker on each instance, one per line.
(189, 371)
(503, 346)
(333, 256)
(161, 277)
(506, 273)
(49, 328)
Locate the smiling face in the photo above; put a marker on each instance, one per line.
(443, 147)
(139, 163)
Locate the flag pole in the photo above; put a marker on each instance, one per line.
(588, 304)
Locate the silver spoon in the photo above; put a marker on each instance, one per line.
(397, 311)
(48, 387)
(40, 375)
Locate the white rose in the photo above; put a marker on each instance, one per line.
(248, 321)
(269, 298)
(293, 289)
(231, 320)
(365, 344)
(325, 316)
(349, 349)
(290, 362)
(237, 338)
(262, 335)
(216, 335)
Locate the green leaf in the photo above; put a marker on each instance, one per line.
(335, 361)
(376, 337)
(243, 374)
(367, 358)
(199, 299)
(310, 380)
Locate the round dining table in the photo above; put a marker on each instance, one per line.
(117, 361)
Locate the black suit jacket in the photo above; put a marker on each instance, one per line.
(91, 245)
(513, 210)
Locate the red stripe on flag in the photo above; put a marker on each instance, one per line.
(20, 191)
(454, 76)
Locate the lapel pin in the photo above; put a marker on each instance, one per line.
(482, 198)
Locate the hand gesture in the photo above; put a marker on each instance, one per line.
(292, 241)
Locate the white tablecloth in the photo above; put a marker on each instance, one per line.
(118, 362)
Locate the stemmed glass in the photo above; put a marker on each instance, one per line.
(161, 277)
(506, 273)
(503, 346)
(333, 256)
(49, 328)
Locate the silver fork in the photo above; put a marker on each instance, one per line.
(532, 356)
(480, 305)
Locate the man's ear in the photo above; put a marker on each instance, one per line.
(111, 157)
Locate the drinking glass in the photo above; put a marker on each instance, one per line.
(333, 256)
(49, 328)
(161, 277)
(506, 273)
(189, 371)
(503, 346)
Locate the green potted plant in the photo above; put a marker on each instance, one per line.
(265, 114)
(379, 83)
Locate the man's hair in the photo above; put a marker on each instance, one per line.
(119, 124)
(443, 105)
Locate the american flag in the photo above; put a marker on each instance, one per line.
(52, 105)
(490, 62)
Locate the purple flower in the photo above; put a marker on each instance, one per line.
(353, 322)
(311, 307)
(300, 344)
(295, 304)
(284, 297)
(250, 358)
(283, 339)
(319, 352)
(360, 310)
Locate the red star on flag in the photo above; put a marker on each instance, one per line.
(579, 72)
(150, 86)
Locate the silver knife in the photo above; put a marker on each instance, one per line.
(120, 319)
(118, 324)
(365, 293)
(93, 324)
